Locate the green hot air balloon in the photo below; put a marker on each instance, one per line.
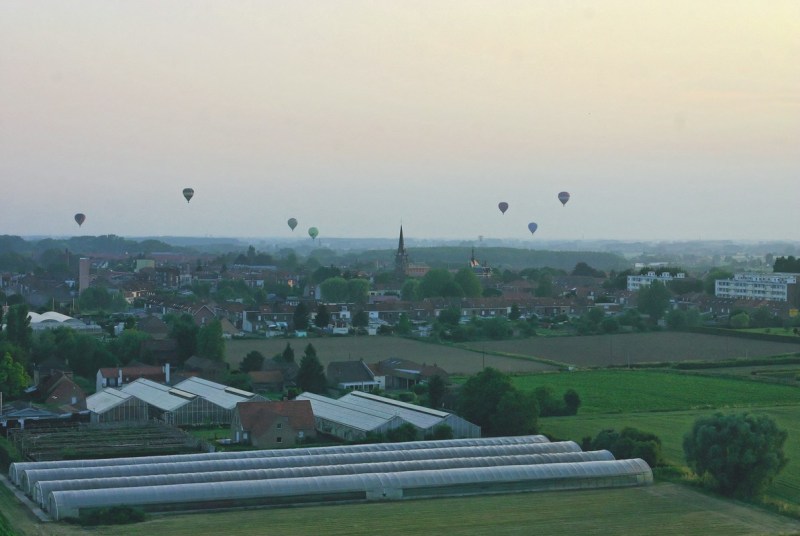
(313, 232)
(292, 223)
(188, 193)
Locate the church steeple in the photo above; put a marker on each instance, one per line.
(400, 259)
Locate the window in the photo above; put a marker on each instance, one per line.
(279, 426)
(279, 440)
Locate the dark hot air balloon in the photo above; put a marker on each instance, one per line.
(292, 223)
(313, 232)
(532, 227)
(80, 218)
(503, 206)
(563, 197)
(188, 193)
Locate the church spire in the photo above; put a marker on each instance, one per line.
(400, 259)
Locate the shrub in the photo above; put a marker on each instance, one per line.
(114, 515)
(8, 454)
(629, 443)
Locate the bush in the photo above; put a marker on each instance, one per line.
(8, 454)
(629, 443)
(737, 455)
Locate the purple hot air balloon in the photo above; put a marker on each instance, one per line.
(532, 227)
(563, 197)
(80, 218)
(503, 206)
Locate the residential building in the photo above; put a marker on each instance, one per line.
(280, 424)
(635, 282)
(780, 287)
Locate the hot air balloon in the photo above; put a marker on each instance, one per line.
(313, 232)
(80, 218)
(532, 227)
(503, 206)
(292, 223)
(563, 197)
(188, 193)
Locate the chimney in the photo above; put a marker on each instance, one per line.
(166, 373)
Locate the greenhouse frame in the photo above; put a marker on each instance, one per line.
(17, 469)
(42, 489)
(31, 476)
(358, 487)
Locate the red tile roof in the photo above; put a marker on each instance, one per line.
(258, 417)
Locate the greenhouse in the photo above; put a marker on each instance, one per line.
(17, 469)
(42, 489)
(113, 405)
(358, 487)
(33, 475)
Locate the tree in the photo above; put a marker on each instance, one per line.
(403, 325)
(403, 433)
(18, 327)
(676, 319)
(572, 401)
(358, 291)
(450, 316)
(288, 354)
(583, 269)
(410, 290)
(301, 316)
(127, 346)
(741, 453)
(653, 300)
(361, 319)
(323, 317)
(480, 402)
(210, 343)
(435, 283)
(514, 314)
(310, 375)
(544, 287)
(184, 331)
(334, 290)
(630, 443)
(254, 360)
(469, 282)
(13, 379)
(740, 320)
(436, 391)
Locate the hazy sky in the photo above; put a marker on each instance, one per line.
(664, 120)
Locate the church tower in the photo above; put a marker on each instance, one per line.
(400, 259)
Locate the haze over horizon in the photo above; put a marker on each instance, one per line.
(676, 121)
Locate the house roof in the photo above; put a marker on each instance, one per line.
(349, 372)
(258, 417)
(266, 376)
(142, 371)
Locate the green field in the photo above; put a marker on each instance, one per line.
(662, 509)
(621, 390)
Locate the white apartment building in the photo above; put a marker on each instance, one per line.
(635, 282)
(752, 286)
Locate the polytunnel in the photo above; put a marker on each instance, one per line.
(42, 489)
(359, 487)
(31, 476)
(16, 469)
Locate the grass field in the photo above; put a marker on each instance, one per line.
(373, 349)
(662, 509)
(622, 390)
(622, 349)
(672, 426)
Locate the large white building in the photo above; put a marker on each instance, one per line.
(778, 287)
(635, 282)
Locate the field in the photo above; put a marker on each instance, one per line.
(373, 349)
(662, 509)
(630, 391)
(622, 349)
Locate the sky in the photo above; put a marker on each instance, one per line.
(673, 120)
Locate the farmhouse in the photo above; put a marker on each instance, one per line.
(353, 375)
(273, 424)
